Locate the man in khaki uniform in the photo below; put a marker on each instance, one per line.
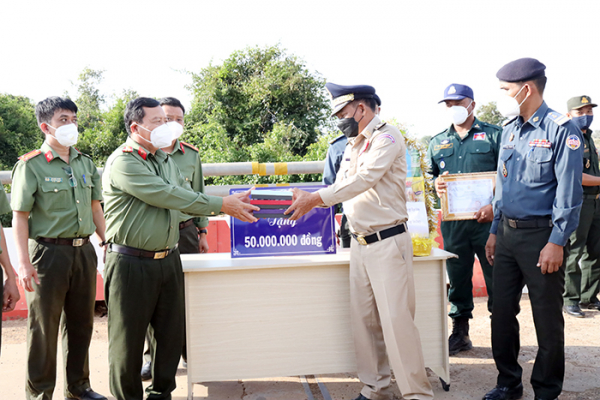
(371, 185)
(143, 285)
(9, 292)
(56, 197)
(192, 230)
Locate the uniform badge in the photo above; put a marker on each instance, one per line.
(584, 100)
(49, 156)
(445, 141)
(536, 119)
(442, 164)
(59, 180)
(587, 163)
(452, 90)
(512, 136)
(477, 126)
(573, 142)
(479, 136)
(504, 170)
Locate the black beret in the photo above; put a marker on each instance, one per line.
(343, 95)
(520, 70)
(377, 99)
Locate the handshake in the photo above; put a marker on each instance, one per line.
(252, 204)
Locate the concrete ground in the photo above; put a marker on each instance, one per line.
(472, 373)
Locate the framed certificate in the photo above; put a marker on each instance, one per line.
(466, 194)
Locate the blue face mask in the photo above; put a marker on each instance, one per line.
(583, 122)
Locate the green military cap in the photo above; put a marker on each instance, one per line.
(579, 101)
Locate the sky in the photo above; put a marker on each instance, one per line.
(408, 50)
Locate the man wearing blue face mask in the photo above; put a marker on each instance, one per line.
(467, 146)
(582, 280)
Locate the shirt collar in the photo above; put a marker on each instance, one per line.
(177, 146)
(475, 127)
(370, 128)
(536, 119)
(45, 148)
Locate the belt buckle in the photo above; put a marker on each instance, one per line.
(512, 223)
(159, 255)
(361, 240)
(597, 196)
(78, 242)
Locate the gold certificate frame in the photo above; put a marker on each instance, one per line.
(466, 194)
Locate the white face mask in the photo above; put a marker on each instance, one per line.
(176, 128)
(509, 106)
(458, 114)
(161, 136)
(66, 135)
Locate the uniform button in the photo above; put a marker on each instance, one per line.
(167, 247)
(80, 219)
(459, 172)
(186, 179)
(518, 158)
(77, 201)
(212, 213)
(171, 227)
(56, 190)
(459, 156)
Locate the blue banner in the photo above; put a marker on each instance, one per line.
(314, 233)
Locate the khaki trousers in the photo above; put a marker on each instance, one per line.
(382, 309)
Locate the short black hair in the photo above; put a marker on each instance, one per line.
(371, 103)
(173, 102)
(134, 112)
(538, 81)
(45, 109)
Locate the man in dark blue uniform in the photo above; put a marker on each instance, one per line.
(332, 165)
(582, 272)
(467, 146)
(538, 200)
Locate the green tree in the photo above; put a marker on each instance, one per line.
(89, 100)
(489, 113)
(19, 133)
(257, 91)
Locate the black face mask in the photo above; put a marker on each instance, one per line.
(349, 126)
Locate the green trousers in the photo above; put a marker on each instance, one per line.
(188, 244)
(67, 287)
(142, 292)
(582, 272)
(517, 253)
(466, 239)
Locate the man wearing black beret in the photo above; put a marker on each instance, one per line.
(538, 199)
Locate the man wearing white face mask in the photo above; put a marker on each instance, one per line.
(467, 146)
(144, 194)
(192, 230)
(538, 200)
(56, 198)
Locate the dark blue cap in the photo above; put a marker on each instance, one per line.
(377, 99)
(523, 69)
(456, 91)
(342, 95)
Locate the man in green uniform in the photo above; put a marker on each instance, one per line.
(56, 197)
(582, 280)
(9, 292)
(467, 146)
(192, 231)
(143, 197)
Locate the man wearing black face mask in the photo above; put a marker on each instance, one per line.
(582, 281)
(371, 184)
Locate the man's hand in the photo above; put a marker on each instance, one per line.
(302, 203)
(551, 258)
(26, 274)
(440, 185)
(11, 295)
(490, 248)
(203, 243)
(485, 214)
(238, 206)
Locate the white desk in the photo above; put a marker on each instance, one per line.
(284, 316)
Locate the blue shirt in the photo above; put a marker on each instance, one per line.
(334, 159)
(539, 172)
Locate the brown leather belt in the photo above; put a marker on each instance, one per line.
(75, 242)
(185, 224)
(132, 251)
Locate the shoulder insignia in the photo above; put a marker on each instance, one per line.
(181, 147)
(49, 156)
(142, 153)
(190, 146)
(30, 155)
(558, 118)
(441, 133)
(127, 149)
(381, 125)
(335, 139)
(386, 136)
(509, 121)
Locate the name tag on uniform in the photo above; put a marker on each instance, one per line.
(545, 143)
(479, 136)
(508, 146)
(53, 180)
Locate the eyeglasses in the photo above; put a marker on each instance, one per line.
(72, 180)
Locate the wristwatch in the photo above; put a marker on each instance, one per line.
(203, 231)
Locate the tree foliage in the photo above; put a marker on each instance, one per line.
(19, 133)
(489, 113)
(260, 92)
